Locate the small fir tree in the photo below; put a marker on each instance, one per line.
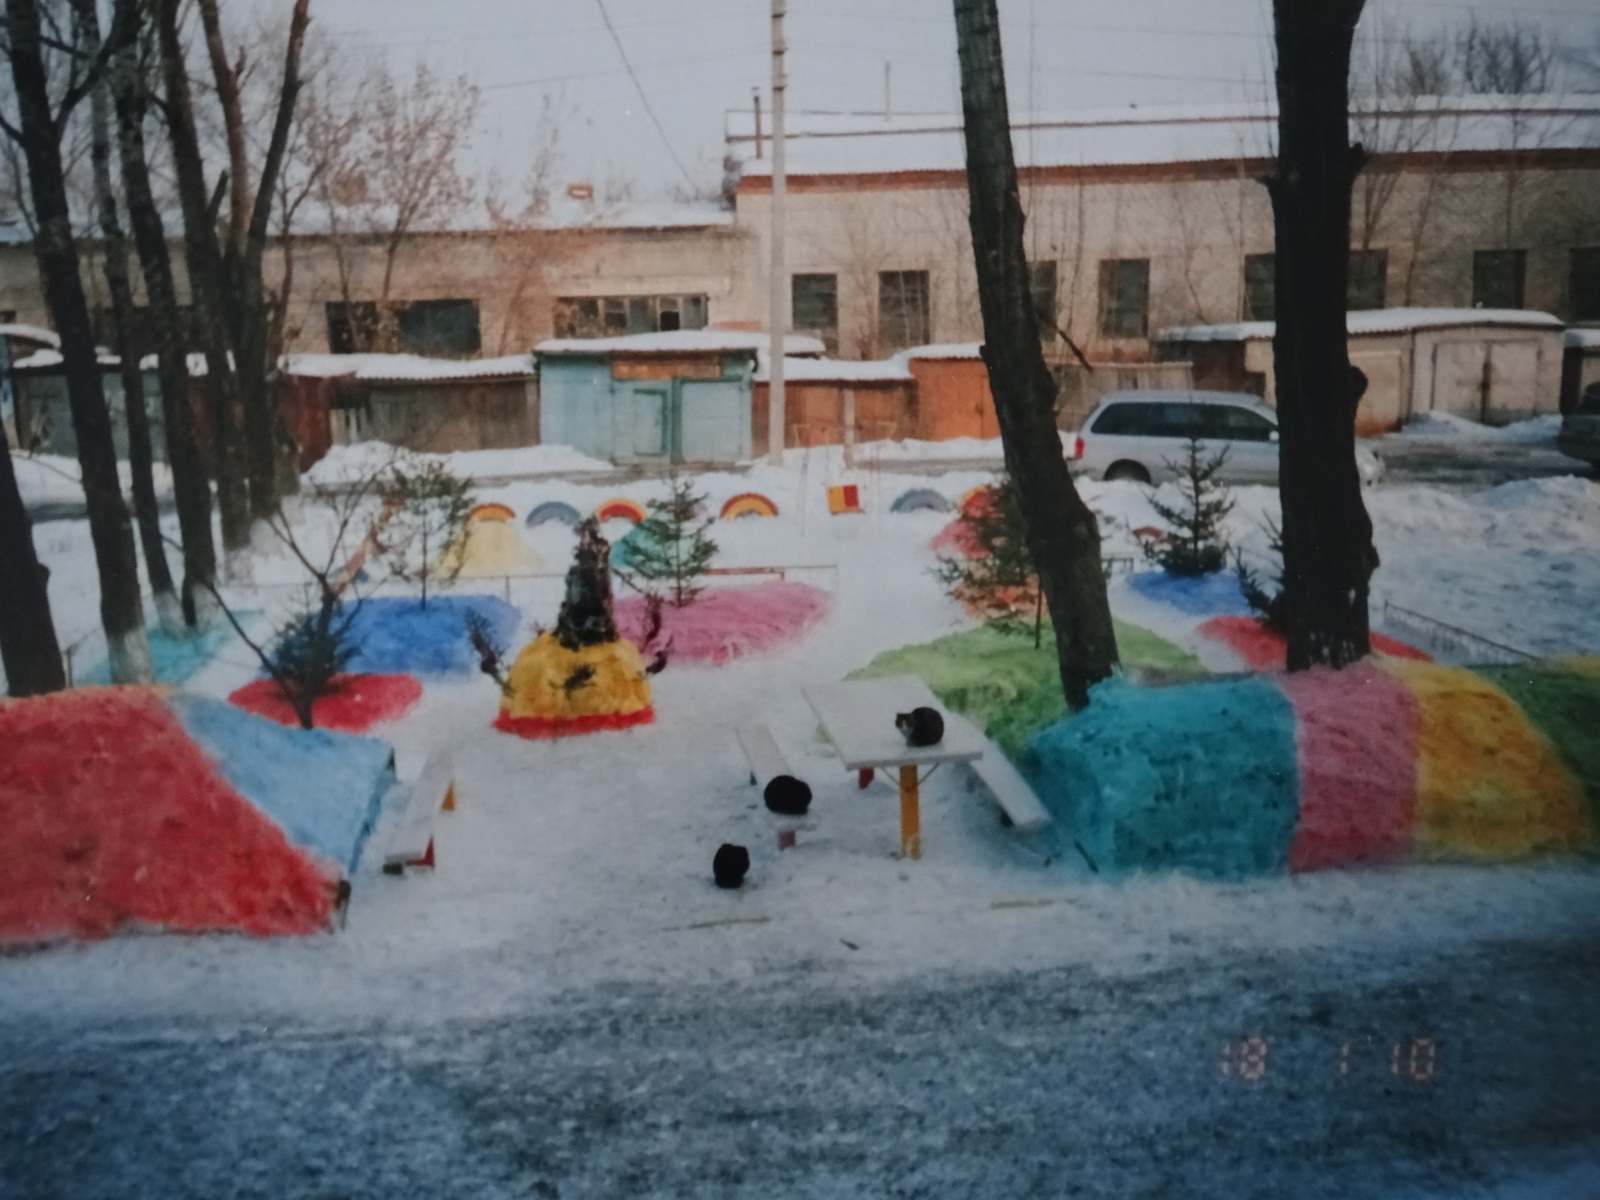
(490, 648)
(1268, 605)
(1195, 545)
(998, 579)
(430, 513)
(669, 551)
(310, 651)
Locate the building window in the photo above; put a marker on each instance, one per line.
(1497, 277)
(145, 334)
(614, 316)
(1260, 287)
(432, 328)
(1125, 297)
(1366, 284)
(1042, 285)
(1583, 285)
(903, 309)
(814, 307)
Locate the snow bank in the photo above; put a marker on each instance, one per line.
(53, 479)
(729, 623)
(351, 464)
(399, 635)
(1447, 426)
(1264, 650)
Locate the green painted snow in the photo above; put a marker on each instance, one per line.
(1561, 698)
(1006, 686)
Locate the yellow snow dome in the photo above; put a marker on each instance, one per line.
(555, 691)
(489, 545)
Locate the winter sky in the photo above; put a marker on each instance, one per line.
(695, 59)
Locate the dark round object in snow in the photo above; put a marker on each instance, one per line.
(787, 796)
(921, 726)
(729, 865)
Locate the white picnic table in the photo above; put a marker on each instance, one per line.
(858, 717)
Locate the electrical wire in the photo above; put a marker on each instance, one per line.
(643, 99)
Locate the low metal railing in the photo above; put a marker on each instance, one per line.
(1441, 635)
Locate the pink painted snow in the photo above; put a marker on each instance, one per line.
(728, 623)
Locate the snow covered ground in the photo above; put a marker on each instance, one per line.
(581, 867)
(588, 859)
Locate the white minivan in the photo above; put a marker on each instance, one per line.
(1144, 436)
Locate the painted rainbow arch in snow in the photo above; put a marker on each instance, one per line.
(1390, 760)
(975, 500)
(620, 508)
(490, 512)
(553, 510)
(920, 500)
(748, 504)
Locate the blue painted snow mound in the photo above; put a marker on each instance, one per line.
(177, 659)
(920, 500)
(553, 510)
(397, 635)
(323, 789)
(1200, 779)
(1214, 595)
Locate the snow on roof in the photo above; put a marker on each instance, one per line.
(408, 368)
(947, 350)
(834, 370)
(30, 333)
(855, 143)
(1583, 339)
(683, 341)
(1370, 321)
(43, 360)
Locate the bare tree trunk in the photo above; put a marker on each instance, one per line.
(111, 531)
(1062, 531)
(140, 451)
(28, 646)
(207, 285)
(190, 488)
(1328, 556)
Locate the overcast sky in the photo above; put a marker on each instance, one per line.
(695, 59)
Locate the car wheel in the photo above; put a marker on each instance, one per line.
(1127, 470)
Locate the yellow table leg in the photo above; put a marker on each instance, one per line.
(910, 814)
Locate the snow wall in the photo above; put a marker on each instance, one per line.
(131, 808)
(1390, 760)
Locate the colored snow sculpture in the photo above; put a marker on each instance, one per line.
(1489, 785)
(1199, 778)
(553, 510)
(920, 500)
(729, 623)
(398, 635)
(489, 545)
(1212, 595)
(352, 703)
(580, 677)
(620, 508)
(748, 504)
(1356, 738)
(1561, 699)
(844, 498)
(130, 808)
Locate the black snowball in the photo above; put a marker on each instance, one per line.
(787, 796)
(729, 865)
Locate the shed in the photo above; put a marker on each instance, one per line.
(676, 397)
(425, 404)
(41, 419)
(18, 341)
(825, 399)
(1489, 365)
(953, 397)
(1580, 365)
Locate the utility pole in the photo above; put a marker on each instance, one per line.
(779, 315)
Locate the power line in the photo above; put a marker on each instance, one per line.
(643, 99)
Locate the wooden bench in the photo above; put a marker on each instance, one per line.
(411, 845)
(1009, 789)
(761, 751)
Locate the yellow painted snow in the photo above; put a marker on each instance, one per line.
(550, 681)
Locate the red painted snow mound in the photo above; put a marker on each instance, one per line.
(1356, 741)
(354, 704)
(113, 817)
(1263, 650)
(542, 728)
(729, 623)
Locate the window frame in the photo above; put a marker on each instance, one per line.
(918, 295)
(1481, 276)
(1119, 318)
